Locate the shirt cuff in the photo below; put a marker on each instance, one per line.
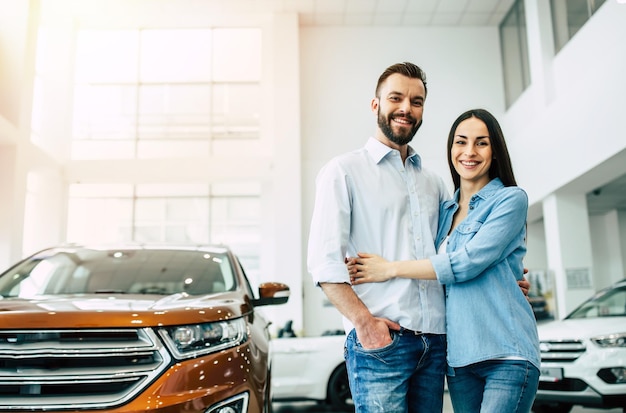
(443, 268)
(334, 273)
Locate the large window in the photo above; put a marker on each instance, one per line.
(227, 213)
(165, 93)
(568, 16)
(514, 45)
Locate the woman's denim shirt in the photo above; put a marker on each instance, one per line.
(487, 315)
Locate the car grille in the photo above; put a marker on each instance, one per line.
(76, 369)
(561, 350)
(573, 385)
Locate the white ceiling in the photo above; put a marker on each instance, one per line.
(382, 12)
(608, 197)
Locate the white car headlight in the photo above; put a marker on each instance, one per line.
(612, 340)
(197, 339)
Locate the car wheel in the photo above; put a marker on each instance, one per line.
(552, 408)
(339, 395)
(268, 407)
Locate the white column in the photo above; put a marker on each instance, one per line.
(622, 230)
(283, 205)
(568, 242)
(9, 227)
(605, 242)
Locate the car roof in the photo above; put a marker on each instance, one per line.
(213, 248)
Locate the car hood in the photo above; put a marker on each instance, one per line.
(581, 328)
(114, 310)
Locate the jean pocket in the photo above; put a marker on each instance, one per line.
(379, 350)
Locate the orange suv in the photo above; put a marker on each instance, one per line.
(134, 329)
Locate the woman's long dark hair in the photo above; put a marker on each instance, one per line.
(501, 163)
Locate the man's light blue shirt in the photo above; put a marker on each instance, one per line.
(369, 201)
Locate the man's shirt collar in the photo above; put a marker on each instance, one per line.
(378, 150)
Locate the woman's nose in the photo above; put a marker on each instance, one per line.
(469, 150)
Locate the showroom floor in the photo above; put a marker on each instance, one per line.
(312, 407)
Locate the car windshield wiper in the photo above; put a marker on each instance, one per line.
(154, 290)
(147, 290)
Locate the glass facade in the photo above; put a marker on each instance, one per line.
(514, 44)
(161, 93)
(568, 16)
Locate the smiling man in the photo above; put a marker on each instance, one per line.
(380, 199)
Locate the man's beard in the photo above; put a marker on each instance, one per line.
(384, 123)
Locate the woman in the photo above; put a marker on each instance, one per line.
(493, 348)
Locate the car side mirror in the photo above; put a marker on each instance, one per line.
(272, 293)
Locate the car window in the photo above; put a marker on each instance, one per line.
(246, 279)
(608, 303)
(120, 271)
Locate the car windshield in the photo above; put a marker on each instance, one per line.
(607, 303)
(122, 271)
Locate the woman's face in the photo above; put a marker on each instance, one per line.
(471, 151)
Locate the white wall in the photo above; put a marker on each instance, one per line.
(555, 140)
(339, 71)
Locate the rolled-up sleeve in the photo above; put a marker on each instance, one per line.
(330, 227)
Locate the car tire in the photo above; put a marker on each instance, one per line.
(552, 408)
(338, 393)
(268, 407)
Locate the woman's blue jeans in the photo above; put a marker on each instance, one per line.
(493, 386)
(405, 376)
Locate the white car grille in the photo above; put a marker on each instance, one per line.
(561, 350)
(76, 369)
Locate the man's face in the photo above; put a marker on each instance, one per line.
(399, 108)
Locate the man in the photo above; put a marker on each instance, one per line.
(381, 200)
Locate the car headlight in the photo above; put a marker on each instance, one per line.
(612, 340)
(197, 339)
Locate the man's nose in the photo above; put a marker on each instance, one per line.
(405, 106)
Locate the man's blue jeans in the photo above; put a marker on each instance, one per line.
(405, 376)
(493, 386)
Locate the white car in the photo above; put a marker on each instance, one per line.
(311, 368)
(583, 357)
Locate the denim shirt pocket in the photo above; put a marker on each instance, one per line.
(468, 228)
